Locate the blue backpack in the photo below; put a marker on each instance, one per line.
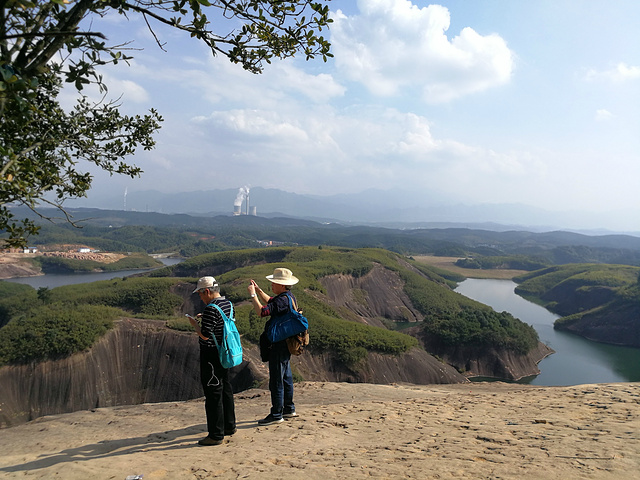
(284, 326)
(230, 351)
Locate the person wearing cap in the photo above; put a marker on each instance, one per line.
(219, 405)
(280, 377)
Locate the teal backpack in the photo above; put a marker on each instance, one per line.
(230, 351)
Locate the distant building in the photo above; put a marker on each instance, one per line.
(84, 250)
(30, 250)
(273, 243)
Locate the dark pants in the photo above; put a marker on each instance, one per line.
(218, 404)
(280, 380)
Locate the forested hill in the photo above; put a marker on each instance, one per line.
(598, 302)
(190, 236)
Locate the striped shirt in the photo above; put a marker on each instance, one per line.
(212, 323)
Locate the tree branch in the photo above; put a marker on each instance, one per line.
(146, 20)
(54, 34)
(72, 20)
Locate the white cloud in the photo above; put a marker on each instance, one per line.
(317, 88)
(327, 150)
(394, 45)
(603, 115)
(124, 92)
(128, 90)
(219, 82)
(620, 73)
(256, 124)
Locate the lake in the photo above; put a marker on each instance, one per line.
(53, 280)
(577, 360)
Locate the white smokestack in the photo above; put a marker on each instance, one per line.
(243, 193)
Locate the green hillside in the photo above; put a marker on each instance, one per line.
(599, 302)
(450, 318)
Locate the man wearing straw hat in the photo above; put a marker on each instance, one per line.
(280, 378)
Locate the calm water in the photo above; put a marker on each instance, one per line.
(576, 361)
(57, 280)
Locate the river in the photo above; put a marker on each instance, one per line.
(577, 360)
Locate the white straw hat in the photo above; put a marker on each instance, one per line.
(206, 282)
(282, 276)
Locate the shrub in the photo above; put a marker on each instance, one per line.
(53, 331)
(180, 324)
(138, 295)
(16, 299)
(482, 328)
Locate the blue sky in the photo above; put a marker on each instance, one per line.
(468, 102)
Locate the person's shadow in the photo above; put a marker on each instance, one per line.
(168, 440)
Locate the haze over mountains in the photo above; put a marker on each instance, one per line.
(394, 208)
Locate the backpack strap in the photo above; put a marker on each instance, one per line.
(292, 303)
(230, 317)
(224, 317)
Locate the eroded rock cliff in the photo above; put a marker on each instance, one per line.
(492, 363)
(142, 361)
(379, 295)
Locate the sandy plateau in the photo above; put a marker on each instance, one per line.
(474, 431)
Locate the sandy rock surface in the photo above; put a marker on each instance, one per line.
(478, 430)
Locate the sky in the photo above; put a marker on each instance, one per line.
(482, 102)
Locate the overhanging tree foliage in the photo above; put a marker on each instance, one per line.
(43, 44)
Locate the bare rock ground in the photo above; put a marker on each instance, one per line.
(469, 431)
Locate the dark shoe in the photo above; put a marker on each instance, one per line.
(290, 415)
(209, 441)
(228, 433)
(269, 419)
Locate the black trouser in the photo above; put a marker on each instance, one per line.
(218, 404)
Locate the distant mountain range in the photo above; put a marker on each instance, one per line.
(391, 208)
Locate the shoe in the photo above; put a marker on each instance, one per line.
(209, 441)
(290, 415)
(228, 433)
(269, 419)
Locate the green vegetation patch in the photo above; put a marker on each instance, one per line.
(15, 298)
(482, 328)
(146, 297)
(79, 314)
(514, 262)
(54, 331)
(597, 294)
(538, 285)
